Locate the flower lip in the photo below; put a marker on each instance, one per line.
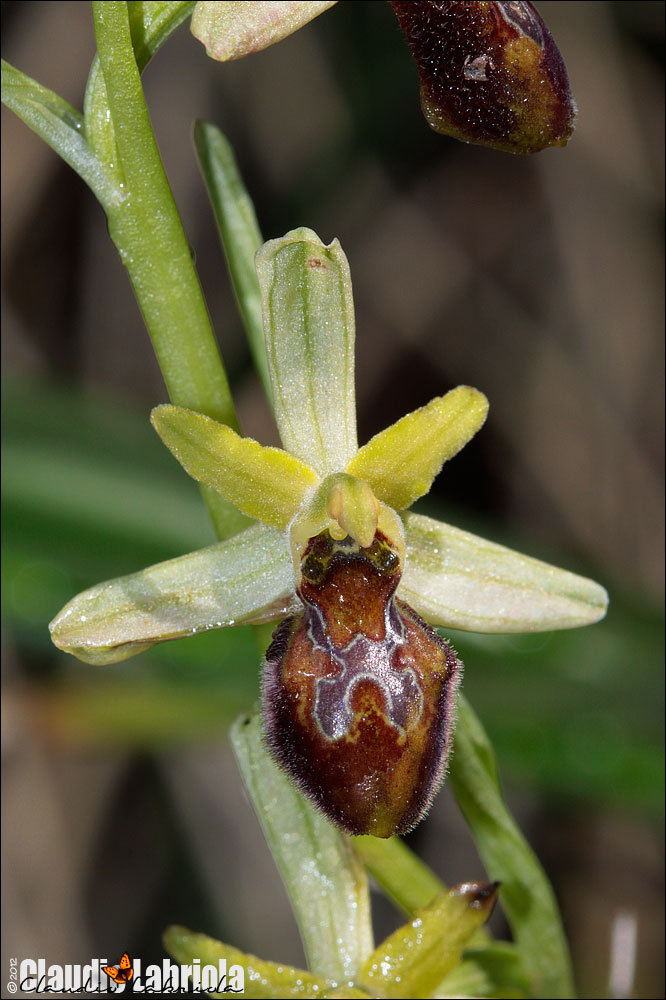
(358, 691)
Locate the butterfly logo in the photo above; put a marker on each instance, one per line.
(120, 973)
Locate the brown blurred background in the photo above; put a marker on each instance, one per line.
(538, 280)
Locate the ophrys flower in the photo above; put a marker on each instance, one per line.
(358, 689)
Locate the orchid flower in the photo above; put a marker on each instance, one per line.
(355, 680)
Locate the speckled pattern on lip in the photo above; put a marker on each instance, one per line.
(490, 73)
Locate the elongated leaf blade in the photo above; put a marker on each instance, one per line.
(246, 579)
(239, 233)
(323, 876)
(309, 328)
(526, 897)
(265, 483)
(61, 126)
(456, 579)
(401, 462)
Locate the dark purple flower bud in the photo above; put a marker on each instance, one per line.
(490, 72)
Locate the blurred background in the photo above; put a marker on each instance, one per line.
(538, 280)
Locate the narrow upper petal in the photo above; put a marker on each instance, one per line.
(237, 28)
(246, 579)
(309, 328)
(456, 579)
(401, 462)
(265, 483)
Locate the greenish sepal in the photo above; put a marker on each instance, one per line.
(230, 30)
(323, 875)
(402, 461)
(244, 580)
(309, 329)
(457, 580)
(267, 484)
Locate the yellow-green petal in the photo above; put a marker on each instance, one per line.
(458, 580)
(309, 328)
(265, 483)
(413, 961)
(236, 28)
(401, 462)
(246, 579)
(263, 980)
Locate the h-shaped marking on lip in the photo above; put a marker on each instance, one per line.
(365, 660)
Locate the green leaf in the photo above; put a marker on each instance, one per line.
(244, 580)
(230, 30)
(263, 980)
(458, 580)
(265, 483)
(239, 233)
(309, 328)
(61, 126)
(323, 876)
(414, 959)
(402, 461)
(527, 897)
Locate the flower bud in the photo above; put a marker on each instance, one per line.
(490, 73)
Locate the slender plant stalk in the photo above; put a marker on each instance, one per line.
(147, 231)
(405, 879)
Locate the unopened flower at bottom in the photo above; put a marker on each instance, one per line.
(358, 690)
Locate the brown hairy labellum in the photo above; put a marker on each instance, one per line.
(358, 691)
(490, 73)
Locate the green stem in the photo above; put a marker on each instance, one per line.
(148, 233)
(405, 879)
